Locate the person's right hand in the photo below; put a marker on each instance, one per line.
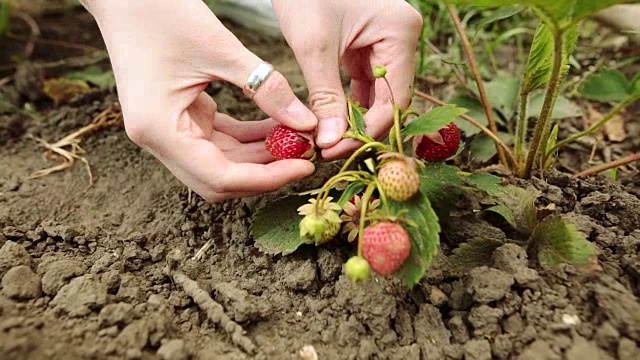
(163, 54)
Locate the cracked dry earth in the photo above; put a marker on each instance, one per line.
(83, 270)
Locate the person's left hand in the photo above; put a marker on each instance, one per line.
(358, 34)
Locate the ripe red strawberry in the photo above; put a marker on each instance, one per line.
(435, 150)
(285, 143)
(385, 245)
(399, 179)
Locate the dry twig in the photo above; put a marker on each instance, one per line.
(215, 311)
(610, 165)
(69, 146)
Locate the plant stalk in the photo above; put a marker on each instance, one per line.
(593, 127)
(475, 123)
(521, 131)
(544, 124)
(363, 213)
(468, 50)
(610, 165)
(361, 150)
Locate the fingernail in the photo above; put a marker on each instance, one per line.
(329, 131)
(300, 114)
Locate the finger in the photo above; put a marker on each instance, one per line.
(243, 131)
(361, 91)
(274, 96)
(240, 177)
(319, 62)
(250, 153)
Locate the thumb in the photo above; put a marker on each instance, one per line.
(321, 70)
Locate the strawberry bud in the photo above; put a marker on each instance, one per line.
(356, 269)
(379, 71)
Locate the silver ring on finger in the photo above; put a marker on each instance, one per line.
(258, 76)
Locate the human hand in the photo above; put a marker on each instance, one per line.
(358, 34)
(163, 54)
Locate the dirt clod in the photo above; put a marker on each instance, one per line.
(487, 285)
(21, 283)
(174, 349)
(12, 254)
(58, 274)
(81, 296)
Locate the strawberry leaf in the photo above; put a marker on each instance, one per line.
(348, 193)
(442, 184)
(606, 85)
(558, 241)
(275, 226)
(356, 118)
(474, 253)
(433, 120)
(93, 75)
(425, 237)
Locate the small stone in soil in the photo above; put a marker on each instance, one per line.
(21, 283)
(477, 350)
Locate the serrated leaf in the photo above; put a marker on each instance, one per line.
(505, 213)
(538, 68)
(518, 204)
(348, 193)
(425, 237)
(94, 75)
(483, 148)
(499, 14)
(442, 184)
(558, 241)
(474, 253)
(275, 226)
(475, 111)
(563, 13)
(606, 85)
(433, 120)
(563, 108)
(502, 93)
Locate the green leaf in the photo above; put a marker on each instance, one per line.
(433, 120)
(606, 85)
(499, 14)
(558, 241)
(538, 68)
(4, 17)
(502, 93)
(94, 75)
(635, 85)
(563, 108)
(518, 205)
(442, 184)
(475, 111)
(348, 193)
(553, 140)
(275, 226)
(357, 114)
(483, 148)
(425, 237)
(563, 13)
(474, 253)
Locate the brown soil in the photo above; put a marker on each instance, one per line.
(83, 269)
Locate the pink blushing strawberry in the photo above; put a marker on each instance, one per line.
(386, 246)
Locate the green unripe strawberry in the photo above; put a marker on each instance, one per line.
(320, 224)
(356, 269)
(379, 71)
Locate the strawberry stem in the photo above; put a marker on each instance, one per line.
(363, 213)
(362, 149)
(383, 196)
(396, 125)
(355, 175)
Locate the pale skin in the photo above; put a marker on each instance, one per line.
(165, 52)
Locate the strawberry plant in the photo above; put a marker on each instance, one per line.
(389, 196)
